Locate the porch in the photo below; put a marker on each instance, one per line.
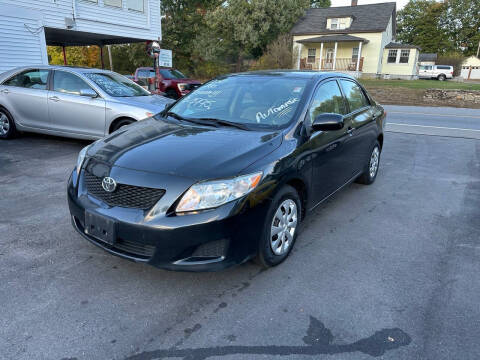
(331, 53)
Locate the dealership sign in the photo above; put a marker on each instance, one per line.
(165, 58)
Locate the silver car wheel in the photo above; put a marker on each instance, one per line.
(4, 124)
(284, 225)
(374, 160)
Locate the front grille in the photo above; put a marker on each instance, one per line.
(128, 196)
(134, 248)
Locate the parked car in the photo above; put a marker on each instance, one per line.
(170, 82)
(227, 172)
(440, 72)
(74, 102)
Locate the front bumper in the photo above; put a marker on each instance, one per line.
(205, 241)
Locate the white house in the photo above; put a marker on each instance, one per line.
(27, 26)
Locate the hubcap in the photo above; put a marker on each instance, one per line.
(4, 124)
(283, 227)
(374, 159)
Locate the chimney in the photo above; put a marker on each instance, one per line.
(354, 2)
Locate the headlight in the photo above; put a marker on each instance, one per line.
(182, 86)
(81, 158)
(211, 194)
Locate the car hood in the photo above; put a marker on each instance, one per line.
(152, 102)
(196, 152)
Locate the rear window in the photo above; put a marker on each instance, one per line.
(171, 74)
(443, 67)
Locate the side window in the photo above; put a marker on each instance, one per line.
(68, 83)
(354, 94)
(327, 99)
(32, 79)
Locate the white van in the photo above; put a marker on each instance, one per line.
(440, 72)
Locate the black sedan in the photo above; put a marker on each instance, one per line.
(228, 172)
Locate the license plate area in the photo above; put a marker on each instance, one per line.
(100, 227)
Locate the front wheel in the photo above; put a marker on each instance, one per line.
(280, 228)
(371, 168)
(121, 123)
(7, 125)
(441, 77)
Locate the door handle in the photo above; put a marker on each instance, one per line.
(5, 91)
(54, 98)
(350, 131)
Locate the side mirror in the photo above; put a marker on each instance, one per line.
(88, 93)
(328, 122)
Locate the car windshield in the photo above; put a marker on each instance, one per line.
(259, 101)
(171, 74)
(117, 85)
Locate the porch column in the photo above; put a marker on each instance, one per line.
(101, 56)
(299, 55)
(359, 54)
(320, 59)
(335, 55)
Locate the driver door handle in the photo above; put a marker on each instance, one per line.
(5, 91)
(54, 98)
(350, 131)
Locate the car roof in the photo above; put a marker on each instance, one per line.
(77, 69)
(306, 74)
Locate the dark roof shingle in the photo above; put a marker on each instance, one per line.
(366, 18)
(427, 57)
(394, 45)
(332, 38)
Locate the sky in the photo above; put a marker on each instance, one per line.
(400, 3)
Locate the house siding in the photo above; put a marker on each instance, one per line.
(18, 46)
(401, 71)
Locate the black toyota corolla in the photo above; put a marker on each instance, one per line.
(228, 172)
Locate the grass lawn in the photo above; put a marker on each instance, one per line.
(420, 84)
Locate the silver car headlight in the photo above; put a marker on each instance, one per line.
(211, 194)
(81, 158)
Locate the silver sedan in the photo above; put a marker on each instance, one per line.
(73, 102)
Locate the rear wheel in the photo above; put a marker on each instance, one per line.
(371, 168)
(280, 228)
(7, 125)
(441, 77)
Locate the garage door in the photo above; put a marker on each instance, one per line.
(22, 40)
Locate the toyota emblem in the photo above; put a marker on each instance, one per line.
(109, 184)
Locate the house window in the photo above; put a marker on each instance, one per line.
(333, 24)
(355, 54)
(404, 55)
(392, 56)
(136, 5)
(342, 24)
(115, 3)
(312, 54)
(93, 1)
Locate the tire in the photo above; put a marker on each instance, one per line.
(286, 202)
(371, 169)
(441, 77)
(172, 94)
(7, 125)
(121, 123)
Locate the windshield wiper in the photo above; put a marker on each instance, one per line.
(175, 116)
(221, 122)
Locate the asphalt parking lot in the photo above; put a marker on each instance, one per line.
(388, 270)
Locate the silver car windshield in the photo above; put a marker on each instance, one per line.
(117, 85)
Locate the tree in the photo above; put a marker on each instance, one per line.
(419, 23)
(277, 56)
(320, 3)
(462, 23)
(244, 28)
(182, 21)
